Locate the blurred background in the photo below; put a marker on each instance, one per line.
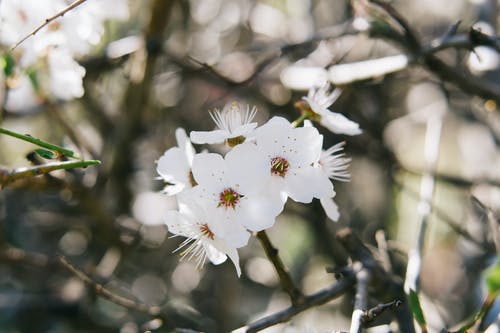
(164, 67)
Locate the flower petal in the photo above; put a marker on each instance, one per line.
(338, 123)
(210, 137)
(331, 208)
(208, 170)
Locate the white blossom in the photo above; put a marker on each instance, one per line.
(66, 75)
(290, 154)
(234, 126)
(197, 222)
(319, 101)
(237, 186)
(174, 167)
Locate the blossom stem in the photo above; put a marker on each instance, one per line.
(285, 279)
(38, 142)
(300, 119)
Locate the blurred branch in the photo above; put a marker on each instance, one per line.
(492, 223)
(318, 298)
(284, 276)
(13, 254)
(456, 226)
(468, 83)
(360, 299)
(7, 176)
(71, 131)
(483, 311)
(100, 290)
(386, 286)
(427, 187)
(48, 20)
(135, 103)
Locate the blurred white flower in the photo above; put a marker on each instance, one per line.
(234, 126)
(21, 95)
(196, 221)
(66, 75)
(290, 154)
(174, 167)
(319, 101)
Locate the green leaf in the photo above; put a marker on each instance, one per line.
(416, 308)
(493, 278)
(8, 63)
(32, 75)
(47, 154)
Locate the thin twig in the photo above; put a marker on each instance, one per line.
(48, 20)
(427, 187)
(38, 142)
(385, 285)
(360, 299)
(321, 297)
(100, 290)
(483, 311)
(7, 176)
(286, 281)
(377, 310)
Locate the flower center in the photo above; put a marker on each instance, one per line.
(279, 166)
(205, 231)
(191, 178)
(229, 198)
(231, 142)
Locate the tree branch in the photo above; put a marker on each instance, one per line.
(318, 298)
(286, 281)
(100, 290)
(48, 20)
(7, 176)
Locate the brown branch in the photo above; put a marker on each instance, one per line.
(321, 297)
(100, 290)
(371, 314)
(286, 281)
(48, 20)
(386, 286)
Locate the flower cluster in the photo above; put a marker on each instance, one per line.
(223, 199)
(49, 56)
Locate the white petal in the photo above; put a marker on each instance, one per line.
(244, 130)
(304, 146)
(259, 212)
(215, 255)
(178, 224)
(231, 252)
(184, 144)
(331, 208)
(247, 167)
(308, 184)
(208, 170)
(210, 137)
(173, 166)
(337, 123)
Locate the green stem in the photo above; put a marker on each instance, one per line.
(488, 303)
(300, 119)
(38, 142)
(8, 176)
